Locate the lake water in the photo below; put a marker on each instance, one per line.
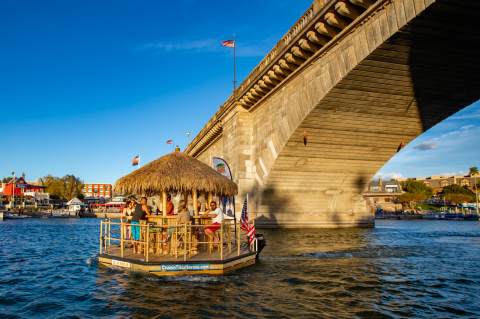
(400, 269)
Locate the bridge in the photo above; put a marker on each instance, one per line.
(333, 100)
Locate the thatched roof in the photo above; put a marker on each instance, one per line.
(175, 172)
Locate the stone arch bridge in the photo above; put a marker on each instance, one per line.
(333, 100)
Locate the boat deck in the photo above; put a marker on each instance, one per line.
(114, 251)
(186, 252)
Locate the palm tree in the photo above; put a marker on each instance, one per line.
(473, 170)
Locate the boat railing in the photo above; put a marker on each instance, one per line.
(166, 239)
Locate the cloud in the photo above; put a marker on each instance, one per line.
(470, 113)
(426, 146)
(244, 49)
(194, 45)
(388, 175)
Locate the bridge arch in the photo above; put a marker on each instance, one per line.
(332, 102)
(334, 126)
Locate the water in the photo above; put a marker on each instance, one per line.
(400, 269)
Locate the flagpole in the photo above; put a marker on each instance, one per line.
(234, 67)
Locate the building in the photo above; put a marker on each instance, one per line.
(19, 187)
(97, 190)
(437, 183)
(24, 191)
(383, 194)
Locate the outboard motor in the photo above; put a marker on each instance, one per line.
(261, 243)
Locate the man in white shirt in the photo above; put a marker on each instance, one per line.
(217, 218)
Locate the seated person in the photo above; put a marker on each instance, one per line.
(183, 215)
(170, 207)
(145, 207)
(217, 219)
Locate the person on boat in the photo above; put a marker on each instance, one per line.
(199, 206)
(141, 212)
(217, 218)
(170, 207)
(128, 209)
(183, 215)
(127, 213)
(145, 207)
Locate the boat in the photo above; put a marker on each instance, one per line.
(471, 217)
(9, 215)
(63, 213)
(433, 216)
(167, 247)
(461, 216)
(87, 214)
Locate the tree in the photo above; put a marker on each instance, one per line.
(65, 188)
(73, 186)
(473, 170)
(457, 194)
(415, 191)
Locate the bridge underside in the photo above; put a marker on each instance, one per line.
(424, 73)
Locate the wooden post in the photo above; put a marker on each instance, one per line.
(121, 237)
(100, 239)
(221, 241)
(147, 237)
(209, 199)
(186, 239)
(195, 202)
(164, 203)
(238, 240)
(109, 235)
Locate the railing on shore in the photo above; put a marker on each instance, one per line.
(165, 238)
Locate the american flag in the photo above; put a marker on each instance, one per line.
(169, 141)
(136, 160)
(228, 43)
(245, 225)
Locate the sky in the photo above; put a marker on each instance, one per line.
(87, 85)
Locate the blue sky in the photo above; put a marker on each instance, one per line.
(86, 85)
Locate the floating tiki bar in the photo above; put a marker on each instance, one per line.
(167, 246)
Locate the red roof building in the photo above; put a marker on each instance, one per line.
(19, 187)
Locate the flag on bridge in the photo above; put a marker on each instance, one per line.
(228, 43)
(245, 225)
(136, 160)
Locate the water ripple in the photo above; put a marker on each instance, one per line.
(401, 269)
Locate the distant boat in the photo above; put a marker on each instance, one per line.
(471, 217)
(460, 216)
(433, 216)
(63, 213)
(14, 216)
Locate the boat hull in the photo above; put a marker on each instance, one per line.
(180, 268)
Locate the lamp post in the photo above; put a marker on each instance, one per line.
(13, 190)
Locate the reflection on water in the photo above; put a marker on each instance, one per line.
(399, 269)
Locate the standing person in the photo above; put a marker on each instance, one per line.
(217, 218)
(141, 212)
(128, 209)
(127, 213)
(170, 208)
